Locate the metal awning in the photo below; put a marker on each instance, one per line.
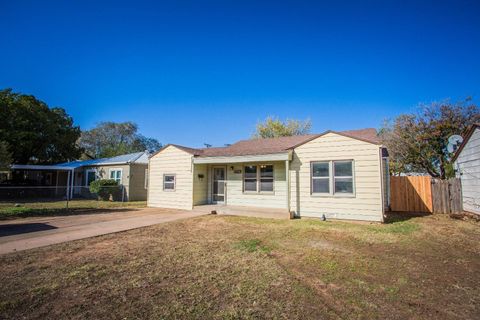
(39, 167)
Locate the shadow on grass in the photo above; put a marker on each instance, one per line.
(13, 229)
(22, 212)
(393, 217)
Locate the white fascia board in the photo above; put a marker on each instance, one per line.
(238, 159)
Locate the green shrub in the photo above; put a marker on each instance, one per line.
(107, 189)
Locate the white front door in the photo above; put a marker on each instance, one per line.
(219, 185)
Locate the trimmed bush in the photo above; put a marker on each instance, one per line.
(106, 189)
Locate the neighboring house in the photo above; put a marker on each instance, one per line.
(467, 166)
(340, 175)
(129, 170)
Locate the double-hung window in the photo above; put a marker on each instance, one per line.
(169, 181)
(116, 174)
(258, 178)
(266, 178)
(332, 177)
(343, 177)
(250, 179)
(321, 177)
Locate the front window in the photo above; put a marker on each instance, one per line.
(116, 174)
(332, 177)
(250, 179)
(266, 178)
(169, 182)
(258, 178)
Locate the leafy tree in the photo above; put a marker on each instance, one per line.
(418, 142)
(109, 139)
(34, 132)
(273, 127)
(5, 156)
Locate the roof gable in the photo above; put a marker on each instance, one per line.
(192, 151)
(466, 137)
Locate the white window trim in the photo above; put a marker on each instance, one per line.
(174, 182)
(258, 178)
(146, 179)
(86, 175)
(115, 169)
(331, 177)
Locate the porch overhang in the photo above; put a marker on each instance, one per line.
(284, 156)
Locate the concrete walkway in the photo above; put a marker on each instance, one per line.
(28, 233)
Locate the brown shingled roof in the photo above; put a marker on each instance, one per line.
(274, 145)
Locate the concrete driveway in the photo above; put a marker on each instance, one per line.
(28, 233)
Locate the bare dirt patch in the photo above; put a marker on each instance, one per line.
(219, 267)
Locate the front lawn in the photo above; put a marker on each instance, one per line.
(9, 210)
(224, 267)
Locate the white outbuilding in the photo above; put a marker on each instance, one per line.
(467, 166)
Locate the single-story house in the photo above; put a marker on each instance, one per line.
(467, 167)
(341, 175)
(73, 178)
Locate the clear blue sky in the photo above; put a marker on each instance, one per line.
(195, 71)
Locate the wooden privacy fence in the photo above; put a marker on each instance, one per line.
(447, 196)
(424, 194)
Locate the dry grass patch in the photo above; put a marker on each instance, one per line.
(222, 267)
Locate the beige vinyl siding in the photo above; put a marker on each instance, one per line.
(171, 160)
(236, 196)
(366, 204)
(136, 188)
(468, 170)
(200, 185)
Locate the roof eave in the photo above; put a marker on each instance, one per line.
(468, 134)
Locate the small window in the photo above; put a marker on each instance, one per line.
(343, 176)
(116, 174)
(266, 178)
(146, 179)
(321, 177)
(250, 179)
(169, 182)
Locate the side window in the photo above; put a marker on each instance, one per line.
(332, 177)
(343, 176)
(169, 182)
(146, 179)
(116, 174)
(320, 177)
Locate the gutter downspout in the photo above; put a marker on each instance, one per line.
(382, 183)
(287, 172)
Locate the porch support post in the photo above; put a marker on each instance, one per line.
(68, 185)
(287, 179)
(72, 182)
